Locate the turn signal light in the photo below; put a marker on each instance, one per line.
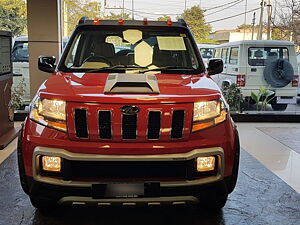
(205, 164)
(295, 81)
(51, 163)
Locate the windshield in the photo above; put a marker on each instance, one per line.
(259, 56)
(207, 53)
(20, 52)
(130, 49)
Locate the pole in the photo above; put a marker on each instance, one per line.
(261, 20)
(269, 20)
(123, 8)
(245, 19)
(132, 8)
(184, 4)
(253, 25)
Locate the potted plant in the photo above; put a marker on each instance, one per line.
(234, 97)
(16, 101)
(263, 94)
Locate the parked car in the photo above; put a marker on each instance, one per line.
(255, 64)
(20, 59)
(207, 51)
(140, 126)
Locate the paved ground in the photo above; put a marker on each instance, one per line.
(260, 198)
(287, 136)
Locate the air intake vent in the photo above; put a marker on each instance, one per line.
(154, 125)
(177, 124)
(129, 126)
(81, 123)
(104, 119)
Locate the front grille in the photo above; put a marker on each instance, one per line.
(81, 123)
(104, 119)
(177, 124)
(129, 125)
(96, 122)
(154, 125)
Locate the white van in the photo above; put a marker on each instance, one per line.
(207, 51)
(255, 64)
(20, 62)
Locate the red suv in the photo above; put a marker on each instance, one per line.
(129, 116)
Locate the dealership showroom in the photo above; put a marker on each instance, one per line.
(150, 112)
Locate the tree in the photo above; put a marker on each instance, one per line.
(13, 16)
(194, 17)
(286, 22)
(163, 18)
(76, 9)
(116, 16)
(244, 27)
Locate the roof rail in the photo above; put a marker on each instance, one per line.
(182, 22)
(83, 19)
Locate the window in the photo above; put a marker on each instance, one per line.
(131, 49)
(224, 54)
(260, 56)
(207, 53)
(20, 52)
(234, 54)
(218, 53)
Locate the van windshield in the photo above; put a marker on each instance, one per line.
(20, 52)
(128, 49)
(260, 56)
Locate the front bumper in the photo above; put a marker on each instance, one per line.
(45, 151)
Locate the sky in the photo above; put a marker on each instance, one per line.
(154, 8)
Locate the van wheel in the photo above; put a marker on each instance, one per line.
(279, 107)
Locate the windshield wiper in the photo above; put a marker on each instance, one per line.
(167, 68)
(117, 67)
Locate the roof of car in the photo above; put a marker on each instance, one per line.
(258, 43)
(179, 23)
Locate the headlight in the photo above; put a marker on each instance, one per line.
(51, 113)
(209, 113)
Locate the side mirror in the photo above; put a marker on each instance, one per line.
(46, 64)
(215, 66)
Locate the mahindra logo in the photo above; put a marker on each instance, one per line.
(129, 110)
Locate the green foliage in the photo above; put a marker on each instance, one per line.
(265, 95)
(233, 96)
(194, 17)
(116, 16)
(244, 27)
(17, 94)
(76, 9)
(163, 18)
(13, 16)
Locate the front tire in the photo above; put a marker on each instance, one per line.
(43, 205)
(279, 107)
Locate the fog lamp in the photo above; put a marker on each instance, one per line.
(205, 164)
(51, 163)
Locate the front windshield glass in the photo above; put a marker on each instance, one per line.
(130, 49)
(207, 53)
(20, 52)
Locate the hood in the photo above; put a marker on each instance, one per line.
(89, 87)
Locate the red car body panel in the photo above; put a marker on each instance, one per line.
(89, 89)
